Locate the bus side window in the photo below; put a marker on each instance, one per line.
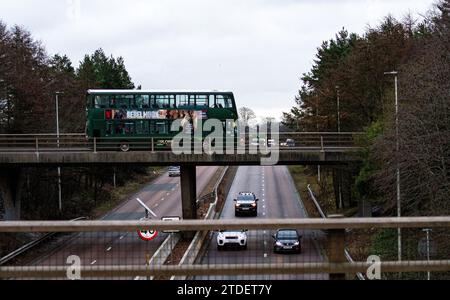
(228, 102)
(212, 101)
(142, 127)
(220, 101)
(201, 101)
(129, 128)
(101, 101)
(182, 101)
(109, 128)
(191, 100)
(162, 101)
(120, 128)
(161, 127)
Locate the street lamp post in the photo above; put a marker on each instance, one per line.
(428, 231)
(319, 173)
(339, 139)
(399, 207)
(338, 108)
(58, 144)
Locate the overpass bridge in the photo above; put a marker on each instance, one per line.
(73, 150)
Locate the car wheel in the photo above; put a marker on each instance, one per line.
(219, 248)
(124, 147)
(244, 247)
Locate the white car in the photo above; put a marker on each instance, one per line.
(230, 238)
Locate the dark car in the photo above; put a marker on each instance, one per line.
(246, 204)
(174, 171)
(287, 240)
(290, 143)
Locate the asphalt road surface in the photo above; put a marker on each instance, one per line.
(163, 196)
(278, 199)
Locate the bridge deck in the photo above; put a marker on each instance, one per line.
(286, 157)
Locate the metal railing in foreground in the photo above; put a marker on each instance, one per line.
(225, 269)
(214, 225)
(115, 260)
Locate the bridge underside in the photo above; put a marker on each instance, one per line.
(49, 159)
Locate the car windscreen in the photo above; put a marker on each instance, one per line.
(246, 198)
(287, 235)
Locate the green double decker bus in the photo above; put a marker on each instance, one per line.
(128, 119)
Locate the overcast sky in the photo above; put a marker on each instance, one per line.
(256, 48)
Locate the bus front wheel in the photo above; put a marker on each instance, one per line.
(124, 147)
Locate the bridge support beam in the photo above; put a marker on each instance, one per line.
(336, 248)
(189, 192)
(10, 196)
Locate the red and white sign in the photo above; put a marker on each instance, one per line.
(148, 235)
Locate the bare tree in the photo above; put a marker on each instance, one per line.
(246, 115)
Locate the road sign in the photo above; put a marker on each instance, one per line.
(171, 219)
(148, 235)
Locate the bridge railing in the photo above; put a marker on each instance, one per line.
(37, 143)
(112, 249)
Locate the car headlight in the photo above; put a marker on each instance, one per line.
(279, 244)
(296, 243)
(254, 204)
(238, 205)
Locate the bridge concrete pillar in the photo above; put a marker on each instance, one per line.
(10, 195)
(189, 192)
(336, 248)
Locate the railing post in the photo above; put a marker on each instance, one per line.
(336, 248)
(153, 145)
(322, 145)
(37, 145)
(95, 145)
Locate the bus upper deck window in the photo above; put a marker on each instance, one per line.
(142, 101)
(202, 101)
(182, 100)
(162, 102)
(228, 102)
(220, 101)
(101, 101)
(212, 101)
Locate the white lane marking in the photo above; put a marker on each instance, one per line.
(265, 243)
(122, 237)
(168, 194)
(264, 214)
(156, 205)
(93, 263)
(173, 189)
(264, 207)
(265, 255)
(265, 232)
(137, 278)
(109, 249)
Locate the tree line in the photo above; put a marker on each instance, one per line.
(29, 79)
(352, 67)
